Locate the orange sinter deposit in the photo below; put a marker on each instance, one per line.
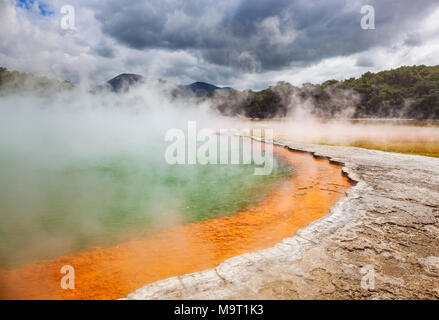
(110, 273)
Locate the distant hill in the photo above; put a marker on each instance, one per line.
(201, 89)
(124, 81)
(121, 83)
(405, 92)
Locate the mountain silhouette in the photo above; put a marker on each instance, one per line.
(201, 88)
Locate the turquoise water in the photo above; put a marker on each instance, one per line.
(54, 201)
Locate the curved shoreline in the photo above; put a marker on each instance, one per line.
(108, 273)
(389, 222)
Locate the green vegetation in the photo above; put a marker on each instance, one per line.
(406, 92)
(411, 92)
(17, 82)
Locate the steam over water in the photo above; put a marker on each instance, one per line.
(81, 171)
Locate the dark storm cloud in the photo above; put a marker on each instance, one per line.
(413, 39)
(104, 50)
(259, 35)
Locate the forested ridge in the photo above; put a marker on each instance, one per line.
(405, 92)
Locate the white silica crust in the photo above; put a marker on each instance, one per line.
(388, 222)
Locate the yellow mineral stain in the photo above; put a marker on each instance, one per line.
(111, 273)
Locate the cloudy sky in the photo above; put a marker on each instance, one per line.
(238, 43)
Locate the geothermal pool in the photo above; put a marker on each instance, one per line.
(52, 207)
(234, 218)
(89, 187)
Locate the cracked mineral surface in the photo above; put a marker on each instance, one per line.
(388, 225)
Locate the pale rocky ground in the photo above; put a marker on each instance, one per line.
(388, 223)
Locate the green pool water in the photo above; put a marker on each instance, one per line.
(54, 201)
